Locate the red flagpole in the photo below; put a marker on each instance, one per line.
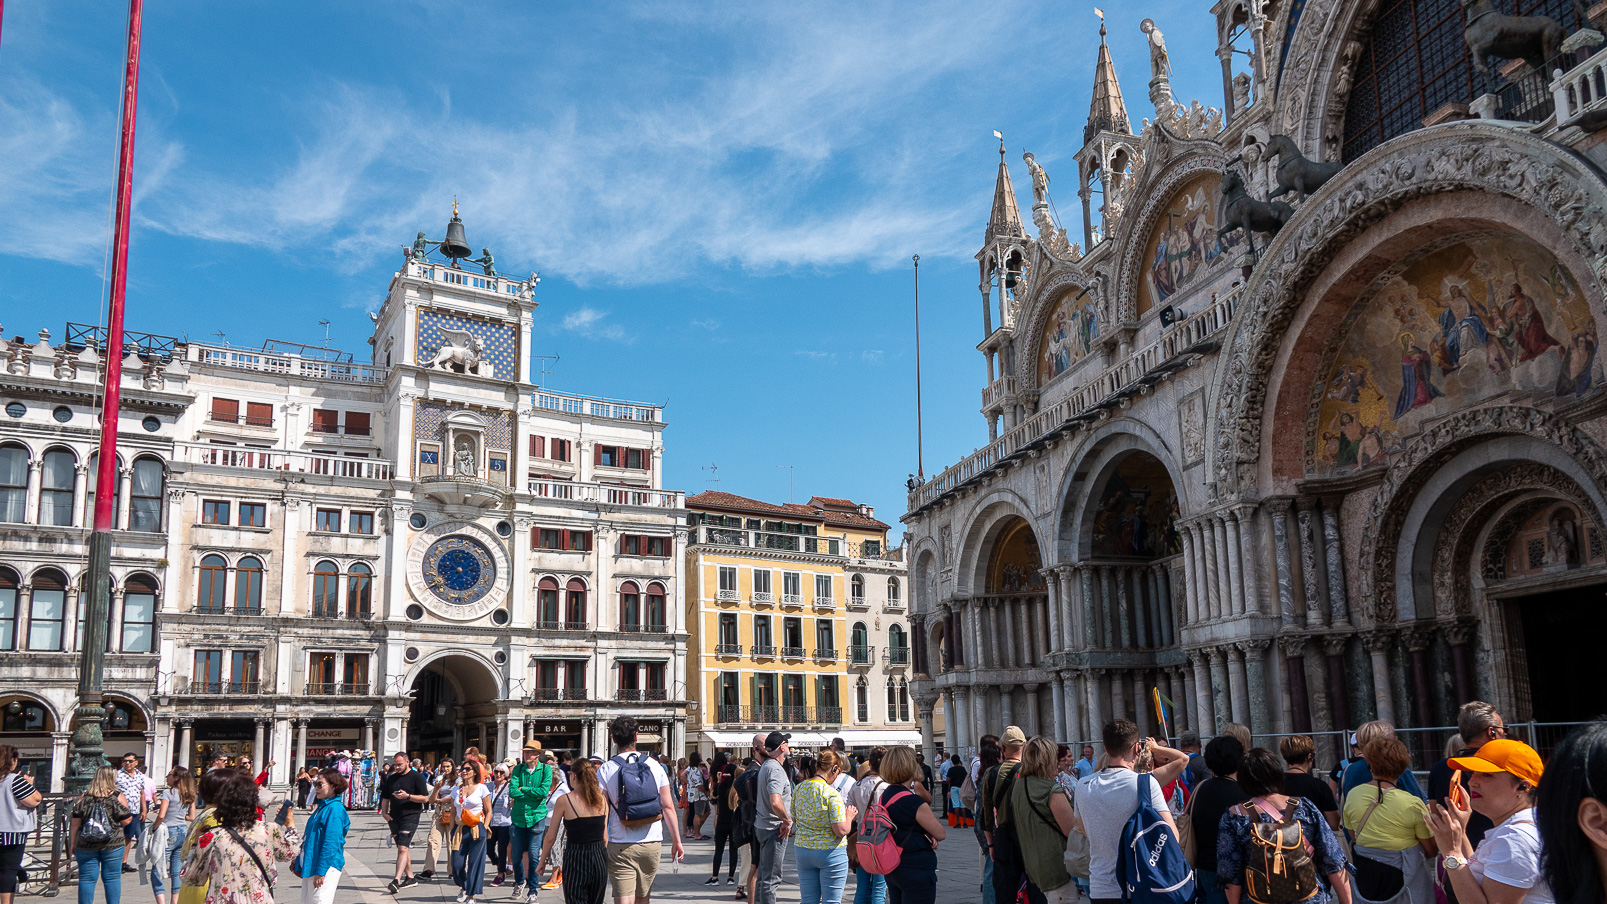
(87, 739)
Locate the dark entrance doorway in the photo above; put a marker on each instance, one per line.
(454, 707)
(1562, 633)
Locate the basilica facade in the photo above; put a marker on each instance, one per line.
(1302, 424)
(422, 551)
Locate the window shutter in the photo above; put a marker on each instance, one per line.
(647, 459)
(259, 414)
(325, 420)
(535, 535)
(225, 410)
(538, 447)
(357, 423)
(596, 455)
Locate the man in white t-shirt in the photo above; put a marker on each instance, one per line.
(1106, 800)
(633, 853)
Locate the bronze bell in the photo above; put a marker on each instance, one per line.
(456, 245)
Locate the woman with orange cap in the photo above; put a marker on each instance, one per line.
(1505, 868)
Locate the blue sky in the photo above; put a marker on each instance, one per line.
(722, 199)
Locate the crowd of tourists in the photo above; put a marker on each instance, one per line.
(1142, 822)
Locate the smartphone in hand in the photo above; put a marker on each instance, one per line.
(284, 814)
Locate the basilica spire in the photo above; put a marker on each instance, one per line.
(1107, 113)
(1006, 217)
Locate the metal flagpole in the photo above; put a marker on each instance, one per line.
(920, 452)
(87, 738)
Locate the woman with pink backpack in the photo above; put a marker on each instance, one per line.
(898, 833)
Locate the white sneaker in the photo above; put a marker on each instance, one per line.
(462, 896)
(518, 893)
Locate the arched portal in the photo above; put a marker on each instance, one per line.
(1126, 537)
(454, 707)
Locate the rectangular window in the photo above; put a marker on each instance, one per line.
(637, 458)
(253, 514)
(354, 679)
(547, 674)
(823, 586)
(561, 450)
(728, 578)
(823, 635)
(792, 632)
(538, 447)
(728, 629)
(761, 631)
(356, 423)
(630, 545)
(325, 420)
(207, 675)
(827, 696)
(792, 698)
(243, 672)
(761, 580)
(214, 512)
(139, 620)
(226, 410)
(579, 540)
(575, 677)
(608, 456)
(327, 520)
(549, 538)
(259, 414)
(791, 583)
(321, 676)
(871, 549)
(658, 546)
(362, 522)
(764, 697)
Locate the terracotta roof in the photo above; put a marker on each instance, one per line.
(731, 502)
(829, 502)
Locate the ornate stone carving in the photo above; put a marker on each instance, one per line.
(1419, 460)
(1334, 644)
(1462, 156)
(1293, 645)
(1256, 647)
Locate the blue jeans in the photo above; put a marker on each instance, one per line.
(821, 875)
(869, 888)
(527, 841)
(165, 870)
(107, 866)
(1207, 889)
(987, 865)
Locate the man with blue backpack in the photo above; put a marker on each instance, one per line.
(639, 807)
(1134, 855)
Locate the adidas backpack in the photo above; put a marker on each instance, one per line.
(877, 849)
(1150, 866)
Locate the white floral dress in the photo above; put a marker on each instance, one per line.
(231, 875)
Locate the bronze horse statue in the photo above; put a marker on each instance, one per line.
(1296, 173)
(1491, 33)
(1240, 211)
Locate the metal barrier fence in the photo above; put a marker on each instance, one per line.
(45, 864)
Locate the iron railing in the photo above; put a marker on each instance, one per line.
(641, 693)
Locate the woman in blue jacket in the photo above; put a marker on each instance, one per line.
(323, 840)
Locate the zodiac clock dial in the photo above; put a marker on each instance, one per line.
(459, 570)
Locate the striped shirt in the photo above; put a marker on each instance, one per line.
(15, 822)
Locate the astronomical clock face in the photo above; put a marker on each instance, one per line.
(459, 570)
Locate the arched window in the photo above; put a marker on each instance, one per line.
(856, 587)
(13, 482)
(892, 700)
(45, 616)
(575, 604)
(892, 592)
(547, 603)
(326, 590)
(862, 700)
(359, 591)
(139, 614)
(658, 612)
(209, 592)
(903, 700)
(89, 486)
(8, 609)
(859, 644)
(898, 645)
(248, 586)
(56, 488)
(145, 499)
(630, 607)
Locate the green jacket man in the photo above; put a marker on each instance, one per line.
(528, 787)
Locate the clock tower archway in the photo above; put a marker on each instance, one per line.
(454, 707)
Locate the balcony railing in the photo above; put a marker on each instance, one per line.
(763, 651)
(227, 610)
(997, 391)
(873, 549)
(559, 693)
(241, 458)
(893, 605)
(562, 626)
(641, 693)
(764, 599)
(644, 629)
(768, 714)
(755, 539)
(825, 602)
(857, 602)
(727, 596)
(793, 652)
(824, 655)
(286, 364)
(1580, 89)
(792, 599)
(607, 494)
(861, 655)
(728, 649)
(344, 429)
(1145, 365)
(336, 689)
(192, 686)
(897, 655)
(608, 408)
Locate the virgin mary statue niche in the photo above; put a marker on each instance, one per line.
(463, 458)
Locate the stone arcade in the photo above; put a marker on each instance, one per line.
(1359, 473)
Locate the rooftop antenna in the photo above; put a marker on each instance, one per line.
(790, 471)
(920, 453)
(543, 370)
(222, 340)
(716, 469)
(325, 325)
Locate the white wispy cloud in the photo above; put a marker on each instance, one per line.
(871, 356)
(588, 321)
(816, 355)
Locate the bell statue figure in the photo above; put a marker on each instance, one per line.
(421, 246)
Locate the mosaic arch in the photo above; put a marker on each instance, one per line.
(1068, 334)
(1137, 512)
(1460, 321)
(1182, 244)
(1016, 562)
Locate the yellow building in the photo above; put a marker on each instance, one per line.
(798, 622)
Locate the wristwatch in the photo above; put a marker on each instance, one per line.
(1453, 862)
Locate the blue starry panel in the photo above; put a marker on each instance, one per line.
(429, 423)
(499, 341)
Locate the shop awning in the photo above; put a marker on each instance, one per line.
(871, 737)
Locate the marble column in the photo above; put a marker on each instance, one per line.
(1227, 569)
(1250, 557)
(1204, 698)
(257, 750)
(1294, 655)
(1378, 643)
(1046, 631)
(1107, 619)
(1057, 701)
(301, 743)
(1213, 583)
(1255, 673)
(30, 503)
(1457, 636)
(923, 712)
(58, 760)
(1052, 609)
(1191, 577)
(1141, 600)
(1190, 701)
(1033, 727)
(1118, 694)
(1090, 620)
(1124, 607)
(1095, 712)
(1143, 708)
(957, 721)
(1278, 512)
(1070, 607)
(1161, 604)
(1221, 699)
(1339, 610)
(81, 517)
(1007, 706)
(979, 714)
(185, 755)
(950, 742)
(995, 658)
(1230, 520)
(1238, 693)
(1333, 647)
(1417, 641)
(1308, 562)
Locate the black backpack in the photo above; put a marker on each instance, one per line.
(747, 788)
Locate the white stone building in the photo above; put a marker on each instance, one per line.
(421, 553)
